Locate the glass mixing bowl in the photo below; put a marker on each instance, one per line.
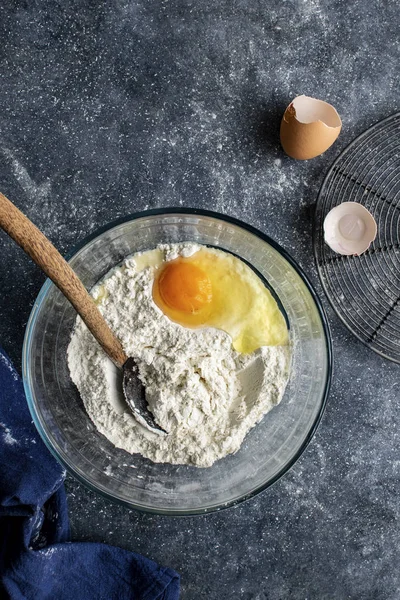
(268, 450)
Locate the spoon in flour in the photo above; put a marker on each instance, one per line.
(40, 249)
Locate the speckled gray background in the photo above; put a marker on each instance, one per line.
(112, 107)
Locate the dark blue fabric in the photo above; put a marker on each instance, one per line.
(36, 559)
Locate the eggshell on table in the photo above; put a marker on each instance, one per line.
(309, 127)
(349, 228)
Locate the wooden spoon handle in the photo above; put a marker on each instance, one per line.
(40, 249)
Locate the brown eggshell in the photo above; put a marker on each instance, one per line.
(309, 127)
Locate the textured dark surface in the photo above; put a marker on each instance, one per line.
(108, 108)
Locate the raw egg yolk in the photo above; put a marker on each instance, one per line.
(184, 287)
(212, 288)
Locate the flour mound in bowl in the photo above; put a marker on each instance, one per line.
(203, 392)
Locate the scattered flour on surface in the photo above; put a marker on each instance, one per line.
(9, 366)
(7, 436)
(200, 390)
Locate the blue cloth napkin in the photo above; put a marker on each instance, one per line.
(36, 559)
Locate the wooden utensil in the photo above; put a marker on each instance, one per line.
(45, 255)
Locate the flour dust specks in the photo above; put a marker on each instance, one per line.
(33, 190)
(9, 366)
(7, 435)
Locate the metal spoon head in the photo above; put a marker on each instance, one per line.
(136, 399)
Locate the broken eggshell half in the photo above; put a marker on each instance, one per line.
(309, 127)
(349, 228)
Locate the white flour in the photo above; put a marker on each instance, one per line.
(200, 390)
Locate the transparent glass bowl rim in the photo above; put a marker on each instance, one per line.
(177, 211)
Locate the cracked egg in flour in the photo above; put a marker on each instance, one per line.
(212, 288)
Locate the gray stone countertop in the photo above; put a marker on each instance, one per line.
(114, 107)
